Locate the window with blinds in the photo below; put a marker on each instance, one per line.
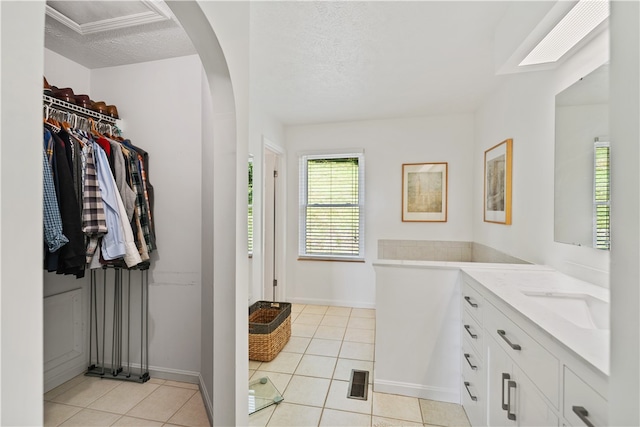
(332, 206)
(602, 195)
(250, 210)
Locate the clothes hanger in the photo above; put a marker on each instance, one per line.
(49, 120)
(65, 124)
(93, 129)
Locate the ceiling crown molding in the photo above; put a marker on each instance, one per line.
(155, 14)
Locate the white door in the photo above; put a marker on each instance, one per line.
(270, 214)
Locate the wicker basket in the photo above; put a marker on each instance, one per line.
(269, 329)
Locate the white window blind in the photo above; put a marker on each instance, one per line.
(250, 209)
(332, 206)
(602, 196)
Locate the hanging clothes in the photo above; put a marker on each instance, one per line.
(120, 174)
(53, 235)
(72, 255)
(98, 188)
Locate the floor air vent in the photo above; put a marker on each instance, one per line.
(358, 385)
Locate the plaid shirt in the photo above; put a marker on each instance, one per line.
(53, 235)
(141, 205)
(94, 221)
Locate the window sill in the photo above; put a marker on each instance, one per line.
(328, 258)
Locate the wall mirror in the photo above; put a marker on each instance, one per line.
(582, 168)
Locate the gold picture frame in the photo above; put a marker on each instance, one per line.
(425, 192)
(497, 182)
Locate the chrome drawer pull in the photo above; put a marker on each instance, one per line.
(472, 304)
(503, 334)
(510, 385)
(505, 376)
(474, 336)
(466, 356)
(466, 385)
(582, 413)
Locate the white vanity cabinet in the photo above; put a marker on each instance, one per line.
(513, 399)
(522, 376)
(474, 387)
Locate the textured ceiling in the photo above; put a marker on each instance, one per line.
(334, 61)
(128, 45)
(323, 61)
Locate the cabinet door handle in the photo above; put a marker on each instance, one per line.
(510, 385)
(505, 377)
(582, 413)
(503, 334)
(466, 356)
(474, 336)
(466, 385)
(472, 304)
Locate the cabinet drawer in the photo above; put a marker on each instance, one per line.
(579, 394)
(471, 358)
(471, 331)
(472, 301)
(473, 400)
(535, 361)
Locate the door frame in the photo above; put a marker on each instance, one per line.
(269, 146)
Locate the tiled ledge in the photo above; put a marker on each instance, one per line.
(442, 250)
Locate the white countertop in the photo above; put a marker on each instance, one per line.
(511, 282)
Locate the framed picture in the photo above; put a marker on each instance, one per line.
(497, 183)
(424, 192)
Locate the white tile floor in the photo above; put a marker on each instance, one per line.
(90, 401)
(312, 372)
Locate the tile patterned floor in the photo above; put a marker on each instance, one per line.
(90, 401)
(312, 373)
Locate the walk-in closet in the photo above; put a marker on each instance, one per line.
(117, 320)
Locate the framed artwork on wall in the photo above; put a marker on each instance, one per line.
(497, 183)
(424, 192)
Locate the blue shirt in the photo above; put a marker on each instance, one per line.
(113, 242)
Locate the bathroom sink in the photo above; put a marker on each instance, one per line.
(582, 310)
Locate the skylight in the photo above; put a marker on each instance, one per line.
(581, 20)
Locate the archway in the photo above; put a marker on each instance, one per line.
(21, 330)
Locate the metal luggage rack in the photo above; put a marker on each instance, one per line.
(118, 367)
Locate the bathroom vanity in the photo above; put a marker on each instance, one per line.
(527, 345)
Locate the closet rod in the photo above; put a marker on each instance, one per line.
(80, 110)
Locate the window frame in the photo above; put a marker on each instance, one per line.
(598, 203)
(250, 216)
(302, 220)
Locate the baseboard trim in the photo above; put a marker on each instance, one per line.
(173, 374)
(417, 390)
(338, 303)
(53, 381)
(208, 405)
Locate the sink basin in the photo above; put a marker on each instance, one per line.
(582, 310)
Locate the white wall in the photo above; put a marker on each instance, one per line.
(63, 72)
(624, 391)
(387, 145)
(225, 56)
(21, 35)
(160, 104)
(522, 108)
